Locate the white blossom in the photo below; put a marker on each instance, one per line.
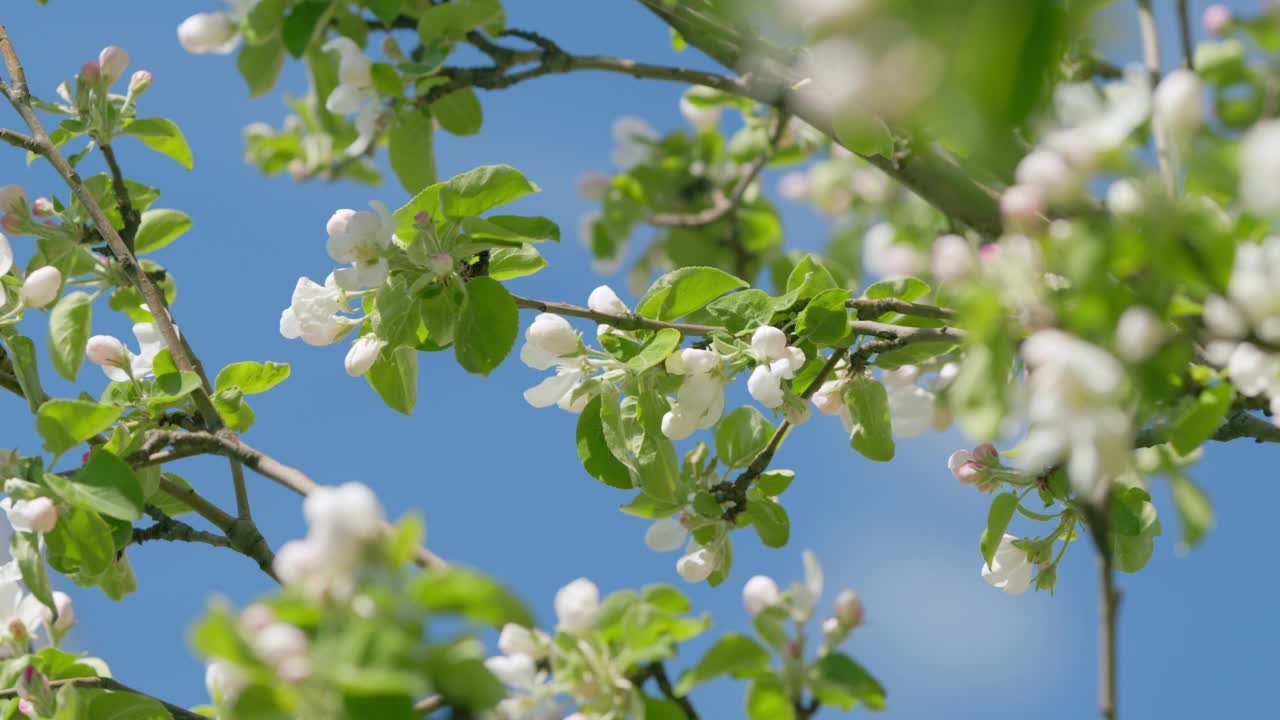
(794, 186)
(1255, 286)
(633, 140)
(1124, 197)
(518, 672)
(758, 593)
(343, 516)
(361, 238)
(363, 354)
(666, 534)
(910, 410)
(518, 640)
(21, 615)
(577, 606)
(1178, 103)
(848, 608)
(6, 255)
(1260, 168)
(1139, 333)
(701, 118)
(777, 362)
(700, 400)
(1022, 205)
(38, 514)
(548, 341)
(285, 648)
(1216, 18)
(559, 390)
(1050, 173)
(112, 61)
(209, 33)
(1089, 126)
(313, 312)
(41, 286)
(354, 92)
(953, 258)
(66, 611)
(697, 563)
(829, 399)
(139, 365)
(604, 300)
(886, 258)
(1010, 568)
(105, 350)
(13, 199)
(224, 681)
(1075, 393)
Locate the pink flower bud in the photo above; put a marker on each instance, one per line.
(969, 473)
(41, 286)
(26, 707)
(42, 207)
(66, 612)
(139, 82)
(106, 351)
(441, 263)
(1216, 18)
(90, 72)
(112, 61)
(12, 199)
(257, 617)
(1022, 205)
(42, 514)
(986, 454)
(849, 608)
(12, 224)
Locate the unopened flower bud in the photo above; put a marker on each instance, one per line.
(90, 72)
(759, 593)
(666, 534)
(986, 454)
(1022, 205)
(953, 258)
(701, 118)
(604, 300)
(257, 617)
(1216, 19)
(696, 564)
(224, 681)
(768, 343)
(106, 351)
(12, 223)
(66, 612)
(139, 82)
(208, 33)
(1124, 197)
(1139, 333)
(519, 640)
(578, 605)
(1178, 103)
(279, 643)
(440, 263)
(42, 207)
(41, 286)
(363, 354)
(794, 186)
(13, 199)
(42, 514)
(849, 608)
(112, 61)
(553, 334)
(1049, 172)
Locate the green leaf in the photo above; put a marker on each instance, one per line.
(472, 595)
(107, 485)
(741, 436)
(594, 451)
(26, 550)
(767, 700)
(733, 654)
(998, 518)
(808, 278)
(385, 10)
(260, 66)
(69, 324)
(655, 350)
(528, 228)
(300, 26)
(160, 227)
(394, 376)
(508, 263)
(459, 112)
(453, 20)
(906, 288)
(399, 314)
(774, 482)
(22, 353)
(743, 310)
(1195, 512)
(682, 291)
(65, 424)
(1132, 552)
(263, 21)
(656, 461)
(839, 681)
(411, 149)
(770, 521)
(1201, 418)
(465, 195)
(462, 680)
(872, 428)
(488, 327)
(826, 318)
(161, 135)
(80, 543)
(168, 504)
(251, 377)
(125, 706)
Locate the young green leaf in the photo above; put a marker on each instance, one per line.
(459, 112)
(65, 424)
(107, 485)
(732, 654)
(69, 325)
(472, 595)
(868, 404)
(998, 517)
(160, 227)
(768, 700)
(394, 376)
(260, 65)
(825, 319)
(488, 327)
(161, 135)
(840, 682)
(770, 521)
(594, 451)
(1195, 512)
(411, 149)
(251, 377)
(1201, 418)
(682, 291)
(741, 436)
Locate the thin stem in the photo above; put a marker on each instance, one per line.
(17, 139)
(1097, 518)
(658, 672)
(242, 536)
(127, 213)
(243, 511)
(1151, 57)
(725, 204)
(170, 529)
(1184, 31)
(870, 309)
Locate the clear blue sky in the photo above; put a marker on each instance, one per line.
(499, 482)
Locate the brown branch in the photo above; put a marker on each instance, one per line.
(130, 216)
(17, 139)
(243, 536)
(870, 309)
(1239, 425)
(170, 529)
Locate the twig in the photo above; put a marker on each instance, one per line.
(104, 683)
(1151, 57)
(870, 309)
(1097, 518)
(130, 216)
(658, 672)
(243, 536)
(17, 139)
(622, 322)
(1184, 31)
(725, 204)
(1238, 425)
(167, 528)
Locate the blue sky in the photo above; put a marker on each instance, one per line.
(499, 482)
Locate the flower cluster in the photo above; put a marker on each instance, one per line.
(342, 522)
(1245, 323)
